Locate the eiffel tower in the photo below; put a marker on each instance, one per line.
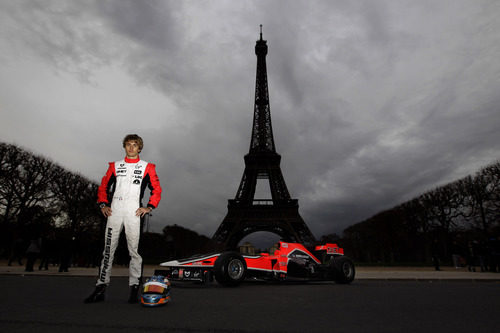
(246, 215)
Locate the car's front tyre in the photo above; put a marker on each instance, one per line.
(230, 269)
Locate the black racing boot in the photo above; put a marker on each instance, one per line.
(134, 290)
(97, 295)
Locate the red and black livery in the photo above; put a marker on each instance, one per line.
(290, 262)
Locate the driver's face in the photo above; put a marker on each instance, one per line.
(132, 149)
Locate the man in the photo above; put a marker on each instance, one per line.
(119, 197)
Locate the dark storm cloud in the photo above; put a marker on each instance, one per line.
(372, 102)
(142, 22)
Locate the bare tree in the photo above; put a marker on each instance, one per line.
(442, 206)
(482, 197)
(77, 197)
(416, 217)
(25, 180)
(10, 159)
(31, 187)
(492, 172)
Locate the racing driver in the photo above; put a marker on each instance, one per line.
(120, 199)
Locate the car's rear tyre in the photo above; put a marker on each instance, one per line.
(230, 268)
(344, 270)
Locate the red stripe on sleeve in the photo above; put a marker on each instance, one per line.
(102, 191)
(155, 187)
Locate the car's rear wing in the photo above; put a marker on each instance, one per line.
(330, 248)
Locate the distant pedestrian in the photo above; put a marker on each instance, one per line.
(32, 253)
(17, 251)
(482, 256)
(494, 247)
(65, 249)
(47, 251)
(435, 254)
(457, 254)
(471, 256)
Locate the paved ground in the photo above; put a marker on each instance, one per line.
(362, 273)
(44, 303)
(381, 299)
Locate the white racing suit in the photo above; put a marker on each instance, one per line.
(123, 188)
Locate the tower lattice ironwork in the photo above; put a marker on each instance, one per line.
(246, 214)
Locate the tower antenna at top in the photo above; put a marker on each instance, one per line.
(261, 32)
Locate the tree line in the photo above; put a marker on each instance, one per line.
(456, 218)
(41, 199)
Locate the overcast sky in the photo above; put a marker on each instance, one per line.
(372, 102)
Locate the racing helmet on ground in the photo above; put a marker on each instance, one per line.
(156, 291)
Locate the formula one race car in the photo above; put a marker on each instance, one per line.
(290, 262)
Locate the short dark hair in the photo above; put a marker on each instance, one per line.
(133, 137)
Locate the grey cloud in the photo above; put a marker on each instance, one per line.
(64, 34)
(372, 102)
(149, 23)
